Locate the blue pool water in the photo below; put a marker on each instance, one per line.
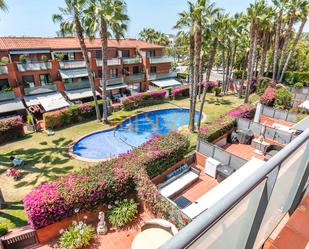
(131, 133)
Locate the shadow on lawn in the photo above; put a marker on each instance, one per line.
(9, 214)
(219, 101)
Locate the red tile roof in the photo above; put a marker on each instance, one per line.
(14, 43)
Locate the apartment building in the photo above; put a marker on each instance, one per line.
(34, 66)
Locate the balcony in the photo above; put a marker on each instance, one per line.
(50, 87)
(135, 60)
(135, 77)
(34, 66)
(115, 81)
(71, 64)
(110, 62)
(6, 96)
(160, 76)
(161, 59)
(76, 85)
(3, 69)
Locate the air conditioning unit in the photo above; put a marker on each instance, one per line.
(211, 166)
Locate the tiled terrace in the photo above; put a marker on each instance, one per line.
(270, 121)
(245, 151)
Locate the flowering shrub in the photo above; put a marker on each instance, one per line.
(123, 213)
(104, 183)
(11, 128)
(143, 99)
(77, 236)
(268, 97)
(12, 172)
(181, 92)
(243, 111)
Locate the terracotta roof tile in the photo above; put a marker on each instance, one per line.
(11, 43)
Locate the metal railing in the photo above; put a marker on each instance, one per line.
(161, 59)
(115, 81)
(34, 66)
(3, 69)
(40, 89)
(254, 208)
(6, 96)
(71, 64)
(279, 114)
(157, 76)
(110, 62)
(76, 85)
(134, 60)
(135, 77)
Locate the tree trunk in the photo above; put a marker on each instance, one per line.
(81, 39)
(227, 73)
(192, 88)
(285, 45)
(264, 54)
(243, 75)
(209, 68)
(200, 79)
(276, 46)
(297, 38)
(2, 202)
(223, 69)
(104, 40)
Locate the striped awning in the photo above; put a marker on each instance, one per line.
(73, 73)
(38, 51)
(80, 94)
(11, 106)
(166, 83)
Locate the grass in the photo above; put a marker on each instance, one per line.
(46, 157)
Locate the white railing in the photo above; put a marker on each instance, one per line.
(157, 76)
(3, 69)
(34, 66)
(161, 59)
(135, 77)
(111, 62)
(135, 60)
(6, 96)
(71, 64)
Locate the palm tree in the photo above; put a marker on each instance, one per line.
(153, 36)
(108, 17)
(3, 5)
(70, 21)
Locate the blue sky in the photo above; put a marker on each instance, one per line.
(33, 17)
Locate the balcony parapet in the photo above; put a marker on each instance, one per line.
(157, 76)
(34, 66)
(71, 64)
(161, 59)
(133, 60)
(3, 69)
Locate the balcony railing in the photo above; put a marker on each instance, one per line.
(254, 207)
(135, 60)
(111, 62)
(76, 85)
(50, 87)
(161, 59)
(3, 69)
(71, 64)
(135, 77)
(34, 66)
(157, 76)
(115, 81)
(6, 96)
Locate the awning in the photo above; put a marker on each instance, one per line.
(11, 106)
(49, 102)
(80, 94)
(166, 83)
(116, 86)
(66, 50)
(38, 51)
(73, 73)
(302, 125)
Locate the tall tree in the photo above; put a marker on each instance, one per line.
(70, 21)
(108, 17)
(153, 36)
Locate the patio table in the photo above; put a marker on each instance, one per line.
(151, 238)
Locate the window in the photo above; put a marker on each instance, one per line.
(28, 81)
(4, 84)
(151, 53)
(69, 57)
(45, 79)
(113, 73)
(153, 69)
(125, 53)
(126, 71)
(98, 54)
(136, 70)
(135, 88)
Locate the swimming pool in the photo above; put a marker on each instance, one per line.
(131, 133)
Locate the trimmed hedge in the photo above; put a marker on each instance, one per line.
(107, 182)
(143, 99)
(181, 92)
(11, 129)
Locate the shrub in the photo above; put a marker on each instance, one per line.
(240, 73)
(11, 128)
(262, 85)
(23, 58)
(76, 236)
(3, 229)
(243, 111)
(143, 99)
(181, 92)
(44, 58)
(298, 85)
(4, 60)
(268, 97)
(123, 213)
(217, 90)
(182, 75)
(283, 98)
(291, 78)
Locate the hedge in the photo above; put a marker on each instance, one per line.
(107, 182)
(291, 78)
(181, 92)
(143, 99)
(11, 128)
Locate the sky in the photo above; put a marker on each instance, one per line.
(33, 17)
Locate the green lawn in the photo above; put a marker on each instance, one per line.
(46, 157)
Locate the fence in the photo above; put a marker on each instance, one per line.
(20, 241)
(220, 155)
(279, 114)
(246, 216)
(279, 136)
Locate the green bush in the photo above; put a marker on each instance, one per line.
(123, 213)
(298, 85)
(217, 90)
(262, 85)
(76, 236)
(239, 74)
(292, 78)
(182, 75)
(283, 98)
(3, 229)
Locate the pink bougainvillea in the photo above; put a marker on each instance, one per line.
(11, 128)
(268, 97)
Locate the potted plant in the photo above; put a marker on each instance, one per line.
(23, 59)
(4, 60)
(15, 173)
